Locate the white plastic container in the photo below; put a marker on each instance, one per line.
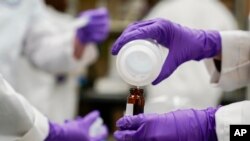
(139, 62)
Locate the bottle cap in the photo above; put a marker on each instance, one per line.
(138, 90)
(139, 62)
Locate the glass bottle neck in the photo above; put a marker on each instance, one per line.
(136, 91)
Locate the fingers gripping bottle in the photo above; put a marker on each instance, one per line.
(135, 102)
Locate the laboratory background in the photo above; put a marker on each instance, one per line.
(97, 85)
(102, 88)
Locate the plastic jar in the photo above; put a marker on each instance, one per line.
(139, 62)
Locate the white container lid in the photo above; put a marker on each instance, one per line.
(139, 62)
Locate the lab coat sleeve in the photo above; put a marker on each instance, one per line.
(235, 63)
(49, 45)
(237, 113)
(19, 120)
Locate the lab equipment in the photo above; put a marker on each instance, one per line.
(181, 125)
(135, 102)
(184, 44)
(139, 62)
(76, 130)
(97, 28)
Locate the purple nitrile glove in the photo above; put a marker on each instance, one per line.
(97, 28)
(77, 130)
(184, 44)
(181, 125)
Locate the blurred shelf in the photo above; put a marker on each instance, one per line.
(91, 95)
(117, 26)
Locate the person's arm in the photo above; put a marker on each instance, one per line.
(18, 119)
(230, 69)
(51, 48)
(86, 55)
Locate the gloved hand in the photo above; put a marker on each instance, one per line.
(184, 44)
(77, 130)
(97, 28)
(181, 125)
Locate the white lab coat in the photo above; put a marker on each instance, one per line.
(19, 20)
(189, 84)
(235, 68)
(44, 83)
(19, 121)
(235, 61)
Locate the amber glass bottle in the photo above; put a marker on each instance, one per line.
(135, 102)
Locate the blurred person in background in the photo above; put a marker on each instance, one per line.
(28, 31)
(58, 88)
(190, 83)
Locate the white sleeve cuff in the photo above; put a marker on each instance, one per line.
(235, 61)
(237, 113)
(39, 131)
